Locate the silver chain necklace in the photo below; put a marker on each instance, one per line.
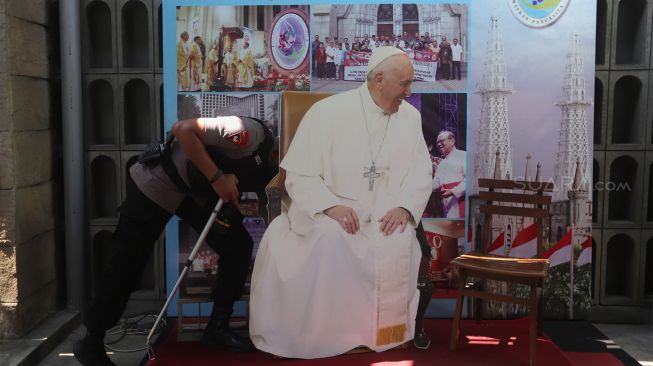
(370, 173)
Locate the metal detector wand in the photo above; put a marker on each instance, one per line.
(189, 263)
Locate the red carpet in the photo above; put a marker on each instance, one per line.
(498, 342)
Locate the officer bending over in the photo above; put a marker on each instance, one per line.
(211, 157)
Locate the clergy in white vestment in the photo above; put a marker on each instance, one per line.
(338, 270)
(450, 176)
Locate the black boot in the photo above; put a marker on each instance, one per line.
(219, 335)
(89, 351)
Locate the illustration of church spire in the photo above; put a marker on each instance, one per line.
(580, 206)
(497, 165)
(573, 146)
(579, 183)
(494, 131)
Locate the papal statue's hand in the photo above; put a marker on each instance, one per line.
(395, 218)
(345, 216)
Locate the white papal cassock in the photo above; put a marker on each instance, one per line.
(316, 290)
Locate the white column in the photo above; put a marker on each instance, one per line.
(396, 17)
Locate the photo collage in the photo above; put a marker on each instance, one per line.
(237, 60)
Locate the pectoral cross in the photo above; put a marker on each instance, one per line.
(371, 174)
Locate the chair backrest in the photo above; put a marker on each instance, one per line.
(531, 202)
(294, 105)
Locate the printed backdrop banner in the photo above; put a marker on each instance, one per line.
(356, 65)
(541, 125)
(425, 71)
(423, 63)
(512, 77)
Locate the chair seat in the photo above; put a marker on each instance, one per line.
(521, 267)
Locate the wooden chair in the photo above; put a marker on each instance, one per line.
(294, 105)
(532, 203)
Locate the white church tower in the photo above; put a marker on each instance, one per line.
(573, 146)
(580, 207)
(494, 131)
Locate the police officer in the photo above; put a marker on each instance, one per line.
(211, 158)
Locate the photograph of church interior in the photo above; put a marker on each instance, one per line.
(462, 182)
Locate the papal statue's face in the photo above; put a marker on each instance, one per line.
(397, 85)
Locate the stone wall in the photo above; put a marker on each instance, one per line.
(29, 196)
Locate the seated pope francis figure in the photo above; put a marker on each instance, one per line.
(338, 270)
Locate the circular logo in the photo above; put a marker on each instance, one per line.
(538, 13)
(288, 42)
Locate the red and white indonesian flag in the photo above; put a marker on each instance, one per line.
(498, 245)
(585, 256)
(560, 253)
(525, 243)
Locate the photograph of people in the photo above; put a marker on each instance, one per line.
(422, 31)
(446, 240)
(450, 175)
(225, 49)
(444, 123)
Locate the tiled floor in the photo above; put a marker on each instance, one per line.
(636, 340)
(63, 356)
